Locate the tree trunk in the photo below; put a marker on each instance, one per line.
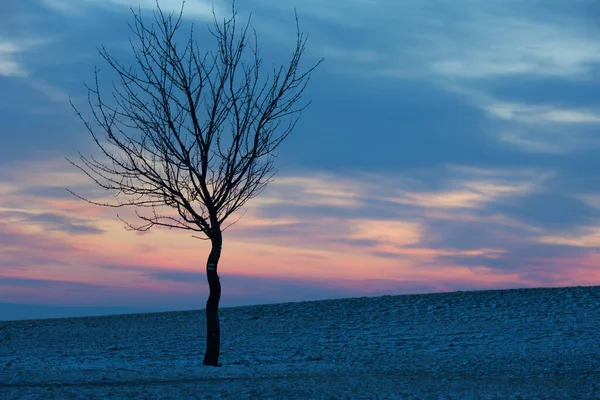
(213, 330)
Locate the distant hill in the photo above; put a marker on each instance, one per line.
(14, 312)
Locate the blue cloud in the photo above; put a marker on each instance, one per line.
(54, 222)
(553, 211)
(176, 276)
(521, 258)
(43, 283)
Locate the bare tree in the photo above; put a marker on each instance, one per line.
(189, 135)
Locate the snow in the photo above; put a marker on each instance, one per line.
(509, 344)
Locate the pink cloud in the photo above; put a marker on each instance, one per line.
(45, 240)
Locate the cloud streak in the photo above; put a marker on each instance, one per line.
(11, 52)
(541, 114)
(463, 40)
(200, 9)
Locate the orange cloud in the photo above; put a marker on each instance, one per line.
(586, 237)
(472, 194)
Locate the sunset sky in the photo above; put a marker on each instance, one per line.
(450, 145)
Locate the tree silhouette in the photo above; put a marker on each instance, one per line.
(189, 135)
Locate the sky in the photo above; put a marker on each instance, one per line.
(449, 145)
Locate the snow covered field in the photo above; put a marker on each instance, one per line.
(512, 344)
